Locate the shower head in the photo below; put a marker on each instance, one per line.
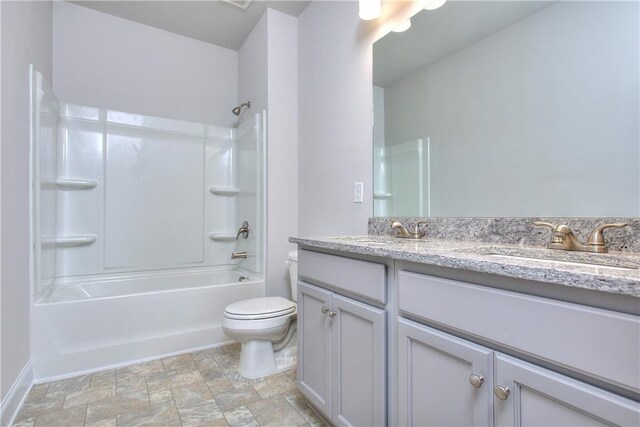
(238, 109)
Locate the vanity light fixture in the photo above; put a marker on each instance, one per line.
(434, 4)
(402, 27)
(369, 9)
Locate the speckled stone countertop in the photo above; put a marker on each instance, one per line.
(620, 273)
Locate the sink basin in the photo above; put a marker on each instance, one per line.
(549, 256)
(571, 263)
(378, 240)
(382, 240)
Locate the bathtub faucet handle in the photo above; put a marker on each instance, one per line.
(243, 231)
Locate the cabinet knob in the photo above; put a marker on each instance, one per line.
(324, 309)
(501, 392)
(332, 314)
(476, 380)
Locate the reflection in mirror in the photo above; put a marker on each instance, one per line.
(509, 108)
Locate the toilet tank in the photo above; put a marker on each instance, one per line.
(293, 274)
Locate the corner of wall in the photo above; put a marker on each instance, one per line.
(16, 396)
(26, 39)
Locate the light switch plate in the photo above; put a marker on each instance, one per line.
(358, 188)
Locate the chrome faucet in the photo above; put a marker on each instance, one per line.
(243, 231)
(403, 233)
(236, 255)
(563, 238)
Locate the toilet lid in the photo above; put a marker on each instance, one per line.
(260, 308)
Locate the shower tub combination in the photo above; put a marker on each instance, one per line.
(95, 323)
(135, 219)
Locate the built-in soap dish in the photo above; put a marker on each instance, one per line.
(222, 237)
(224, 191)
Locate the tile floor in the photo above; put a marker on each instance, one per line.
(197, 389)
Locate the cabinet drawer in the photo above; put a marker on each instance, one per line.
(363, 278)
(599, 343)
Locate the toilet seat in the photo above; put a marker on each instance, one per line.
(260, 308)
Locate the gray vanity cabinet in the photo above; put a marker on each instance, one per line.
(442, 379)
(341, 357)
(314, 346)
(359, 363)
(438, 373)
(445, 380)
(539, 397)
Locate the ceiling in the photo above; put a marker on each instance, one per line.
(211, 21)
(439, 33)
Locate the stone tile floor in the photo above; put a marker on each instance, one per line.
(197, 389)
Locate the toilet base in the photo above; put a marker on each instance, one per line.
(257, 358)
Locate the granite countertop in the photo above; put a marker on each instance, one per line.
(620, 276)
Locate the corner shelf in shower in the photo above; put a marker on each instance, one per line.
(68, 184)
(68, 241)
(222, 237)
(381, 196)
(224, 191)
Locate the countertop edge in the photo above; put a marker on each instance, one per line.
(567, 277)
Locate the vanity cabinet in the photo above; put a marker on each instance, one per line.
(434, 374)
(341, 350)
(540, 397)
(314, 346)
(445, 380)
(409, 347)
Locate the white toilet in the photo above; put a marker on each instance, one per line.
(266, 327)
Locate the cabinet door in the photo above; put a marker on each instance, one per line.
(435, 384)
(314, 346)
(539, 397)
(359, 360)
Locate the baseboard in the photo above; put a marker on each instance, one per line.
(18, 392)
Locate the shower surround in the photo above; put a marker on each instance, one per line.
(134, 222)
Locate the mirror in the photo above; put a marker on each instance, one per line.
(509, 108)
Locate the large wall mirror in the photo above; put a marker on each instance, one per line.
(509, 108)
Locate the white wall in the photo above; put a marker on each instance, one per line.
(282, 148)
(26, 38)
(252, 86)
(252, 68)
(104, 61)
(268, 77)
(534, 120)
(335, 113)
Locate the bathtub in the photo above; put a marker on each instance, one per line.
(86, 324)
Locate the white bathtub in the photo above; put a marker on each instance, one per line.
(93, 323)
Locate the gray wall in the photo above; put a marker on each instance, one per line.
(335, 113)
(26, 38)
(539, 119)
(104, 61)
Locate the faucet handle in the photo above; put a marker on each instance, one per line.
(557, 232)
(545, 224)
(416, 230)
(596, 239)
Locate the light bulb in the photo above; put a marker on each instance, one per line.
(369, 9)
(434, 4)
(402, 27)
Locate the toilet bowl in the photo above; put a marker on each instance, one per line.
(266, 327)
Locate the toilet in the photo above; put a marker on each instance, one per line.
(266, 327)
